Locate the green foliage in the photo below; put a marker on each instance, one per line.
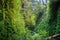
(13, 20)
(17, 23)
(1, 16)
(58, 21)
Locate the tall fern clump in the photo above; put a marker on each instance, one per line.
(49, 22)
(53, 27)
(29, 15)
(42, 26)
(58, 21)
(57, 31)
(52, 21)
(13, 20)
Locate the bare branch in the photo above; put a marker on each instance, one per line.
(54, 36)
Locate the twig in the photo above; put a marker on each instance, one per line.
(54, 36)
